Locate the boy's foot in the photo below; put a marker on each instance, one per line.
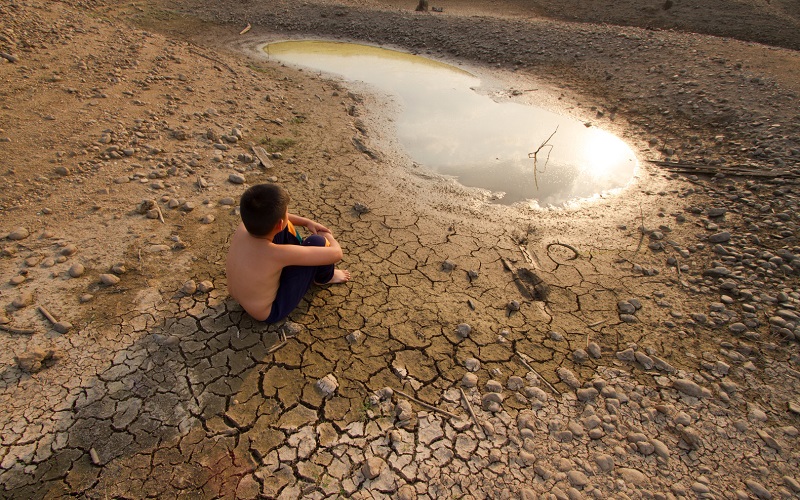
(339, 276)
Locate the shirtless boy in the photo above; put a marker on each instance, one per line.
(269, 267)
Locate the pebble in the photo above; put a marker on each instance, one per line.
(17, 234)
(373, 467)
(109, 279)
(205, 286)
(469, 380)
(327, 385)
(448, 265)
(472, 364)
(76, 270)
(463, 330)
(189, 287)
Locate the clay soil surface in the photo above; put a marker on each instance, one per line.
(641, 345)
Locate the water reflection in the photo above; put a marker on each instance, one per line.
(449, 128)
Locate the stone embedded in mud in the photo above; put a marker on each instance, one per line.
(17, 234)
(23, 300)
(625, 307)
(291, 329)
(594, 350)
(360, 208)
(373, 467)
(448, 265)
(109, 279)
(76, 270)
(205, 286)
(463, 330)
(236, 179)
(569, 378)
(494, 386)
(515, 383)
(469, 380)
(189, 287)
(579, 356)
(472, 364)
(513, 305)
(690, 388)
(354, 337)
(721, 237)
(36, 359)
(327, 385)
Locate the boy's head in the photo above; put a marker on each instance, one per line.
(262, 206)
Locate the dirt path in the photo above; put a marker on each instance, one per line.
(654, 363)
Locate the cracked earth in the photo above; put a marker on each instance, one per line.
(639, 346)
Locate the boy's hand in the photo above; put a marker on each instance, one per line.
(316, 227)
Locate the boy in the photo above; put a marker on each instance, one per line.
(270, 267)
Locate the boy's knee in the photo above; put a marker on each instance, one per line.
(315, 240)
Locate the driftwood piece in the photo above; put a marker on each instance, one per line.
(246, 29)
(262, 156)
(426, 405)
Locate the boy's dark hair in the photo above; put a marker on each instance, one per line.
(262, 206)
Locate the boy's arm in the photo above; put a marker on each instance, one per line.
(313, 227)
(298, 255)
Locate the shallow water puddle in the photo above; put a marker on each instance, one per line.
(449, 128)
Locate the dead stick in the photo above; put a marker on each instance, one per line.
(469, 407)
(160, 215)
(18, 331)
(47, 314)
(529, 367)
(597, 323)
(426, 405)
(276, 347)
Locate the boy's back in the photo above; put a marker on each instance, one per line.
(253, 273)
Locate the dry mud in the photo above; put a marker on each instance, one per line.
(658, 361)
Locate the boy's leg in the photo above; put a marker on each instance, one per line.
(296, 280)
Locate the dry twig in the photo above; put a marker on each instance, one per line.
(469, 408)
(426, 405)
(17, 331)
(534, 155)
(529, 367)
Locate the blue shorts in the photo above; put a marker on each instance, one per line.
(296, 280)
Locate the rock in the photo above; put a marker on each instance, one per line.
(463, 330)
(493, 386)
(604, 462)
(448, 265)
(76, 270)
(513, 306)
(577, 478)
(579, 356)
(189, 287)
(625, 307)
(594, 350)
(633, 476)
(569, 378)
(690, 388)
(406, 492)
(17, 234)
(23, 300)
(373, 467)
(587, 394)
(721, 237)
(36, 359)
(469, 380)
(360, 208)
(515, 383)
(205, 286)
(327, 385)
(354, 337)
(491, 401)
(68, 250)
(758, 489)
(109, 279)
(208, 219)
